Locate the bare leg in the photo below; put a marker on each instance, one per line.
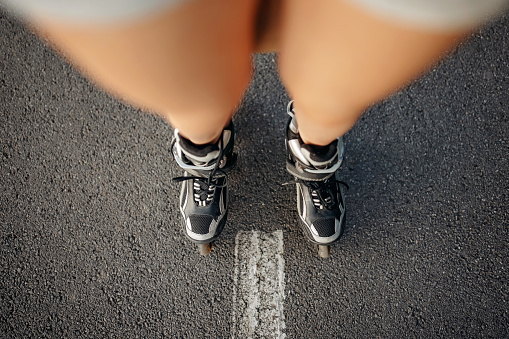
(337, 59)
(190, 64)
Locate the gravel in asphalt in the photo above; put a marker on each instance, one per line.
(90, 239)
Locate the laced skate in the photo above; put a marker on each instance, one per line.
(204, 192)
(320, 198)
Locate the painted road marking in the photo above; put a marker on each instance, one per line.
(259, 288)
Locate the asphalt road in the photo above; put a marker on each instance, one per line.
(91, 245)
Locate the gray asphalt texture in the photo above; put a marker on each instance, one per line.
(91, 244)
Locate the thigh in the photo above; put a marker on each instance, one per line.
(189, 62)
(337, 46)
(337, 58)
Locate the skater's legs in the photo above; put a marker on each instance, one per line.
(337, 59)
(190, 64)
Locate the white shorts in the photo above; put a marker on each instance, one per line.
(432, 14)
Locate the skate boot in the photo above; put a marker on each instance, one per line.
(204, 193)
(320, 198)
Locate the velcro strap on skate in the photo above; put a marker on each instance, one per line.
(204, 171)
(310, 174)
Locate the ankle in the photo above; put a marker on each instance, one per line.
(202, 138)
(200, 141)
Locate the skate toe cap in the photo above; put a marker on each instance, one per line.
(200, 224)
(203, 228)
(325, 227)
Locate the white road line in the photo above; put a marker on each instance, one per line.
(259, 288)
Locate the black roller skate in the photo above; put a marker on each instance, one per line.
(204, 193)
(320, 198)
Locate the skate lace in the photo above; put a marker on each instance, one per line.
(323, 192)
(204, 187)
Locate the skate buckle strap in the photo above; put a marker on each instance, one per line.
(324, 171)
(188, 167)
(309, 174)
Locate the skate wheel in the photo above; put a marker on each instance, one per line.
(205, 248)
(323, 251)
